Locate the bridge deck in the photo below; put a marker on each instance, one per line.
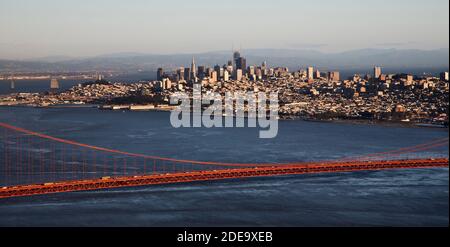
(118, 182)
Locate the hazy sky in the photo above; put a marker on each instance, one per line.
(30, 28)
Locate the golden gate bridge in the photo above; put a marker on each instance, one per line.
(35, 164)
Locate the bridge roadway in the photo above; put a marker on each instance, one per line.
(173, 178)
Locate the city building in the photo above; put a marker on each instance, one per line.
(54, 84)
(334, 76)
(181, 73)
(166, 84)
(213, 77)
(98, 77)
(238, 75)
(226, 76)
(236, 56)
(251, 70)
(444, 76)
(219, 71)
(310, 73)
(193, 76)
(377, 72)
(241, 63)
(201, 72)
(409, 79)
(160, 74)
(317, 75)
(187, 74)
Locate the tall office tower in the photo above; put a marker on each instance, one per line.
(213, 77)
(217, 68)
(444, 76)
(193, 70)
(264, 65)
(54, 84)
(317, 75)
(226, 76)
(229, 69)
(201, 72)
(236, 56)
(238, 75)
(377, 72)
(187, 74)
(159, 74)
(310, 73)
(241, 63)
(334, 76)
(259, 74)
(209, 72)
(265, 72)
(12, 86)
(219, 71)
(251, 70)
(180, 73)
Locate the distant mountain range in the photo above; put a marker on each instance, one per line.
(357, 60)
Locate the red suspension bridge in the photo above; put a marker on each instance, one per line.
(34, 163)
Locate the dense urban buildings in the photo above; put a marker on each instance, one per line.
(305, 93)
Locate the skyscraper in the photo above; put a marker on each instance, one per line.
(236, 56)
(377, 71)
(193, 70)
(219, 71)
(226, 76)
(241, 63)
(238, 75)
(251, 70)
(214, 76)
(317, 75)
(310, 73)
(187, 74)
(334, 76)
(160, 74)
(201, 72)
(444, 76)
(259, 74)
(180, 73)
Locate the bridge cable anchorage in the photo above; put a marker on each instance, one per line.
(38, 161)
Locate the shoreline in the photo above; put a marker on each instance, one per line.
(386, 123)
(281, 118)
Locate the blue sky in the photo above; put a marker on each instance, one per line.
(30, 28)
